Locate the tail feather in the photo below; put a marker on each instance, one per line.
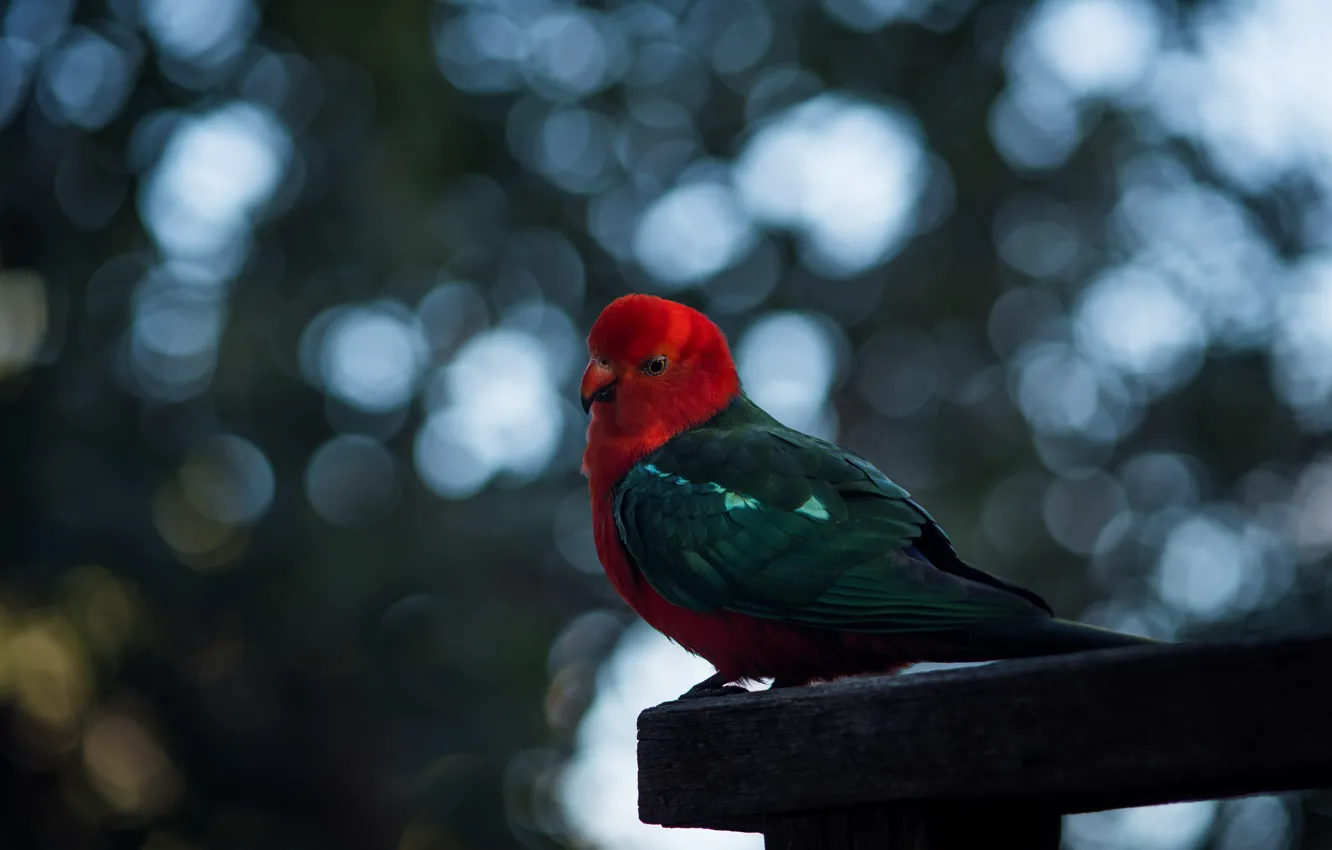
(1035, 636)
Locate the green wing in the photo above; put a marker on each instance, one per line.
(746, 515)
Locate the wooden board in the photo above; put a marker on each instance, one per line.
(914, 826)
(1075, 733)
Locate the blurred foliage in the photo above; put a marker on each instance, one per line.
(294, 545)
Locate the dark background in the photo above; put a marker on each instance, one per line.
(293, 545)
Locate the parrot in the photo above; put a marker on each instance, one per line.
(770, 553)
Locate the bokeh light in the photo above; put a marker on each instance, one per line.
(691, 233)
(293, 306)
(497, 413)
(843, 174)
(1245, 92)
(372, 357)
(1180, 826)
(352, 480)
(87, 81)
(128, 767)
(787, 363)
(215, 174)
(228, 479)
(1137, 324)
(201, 32)
(599, 786)
(24, 315)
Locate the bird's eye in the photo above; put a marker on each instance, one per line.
(655, 366)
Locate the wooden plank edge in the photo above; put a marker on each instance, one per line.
(702, 763)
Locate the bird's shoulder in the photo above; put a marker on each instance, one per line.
(744, 453)
(744, 513)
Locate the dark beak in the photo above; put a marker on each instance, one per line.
(604, 393)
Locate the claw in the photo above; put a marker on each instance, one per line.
(724, 691)
(713, 686)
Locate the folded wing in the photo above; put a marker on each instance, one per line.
(755, 518)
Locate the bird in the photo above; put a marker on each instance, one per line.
(773, 554)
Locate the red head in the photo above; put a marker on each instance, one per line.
(657, 368)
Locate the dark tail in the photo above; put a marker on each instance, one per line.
(1028, 637)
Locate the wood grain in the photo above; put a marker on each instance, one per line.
(1070, 733)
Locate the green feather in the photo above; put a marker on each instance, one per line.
(744, 514)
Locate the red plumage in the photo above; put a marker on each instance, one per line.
(739, 646)
(648, 412)
(659, 369)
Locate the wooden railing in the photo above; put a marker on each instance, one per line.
(992, 755)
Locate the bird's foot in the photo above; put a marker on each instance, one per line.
(724, 691)
(713, 686)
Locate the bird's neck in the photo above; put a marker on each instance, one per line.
(614, 445)
(611, 454)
